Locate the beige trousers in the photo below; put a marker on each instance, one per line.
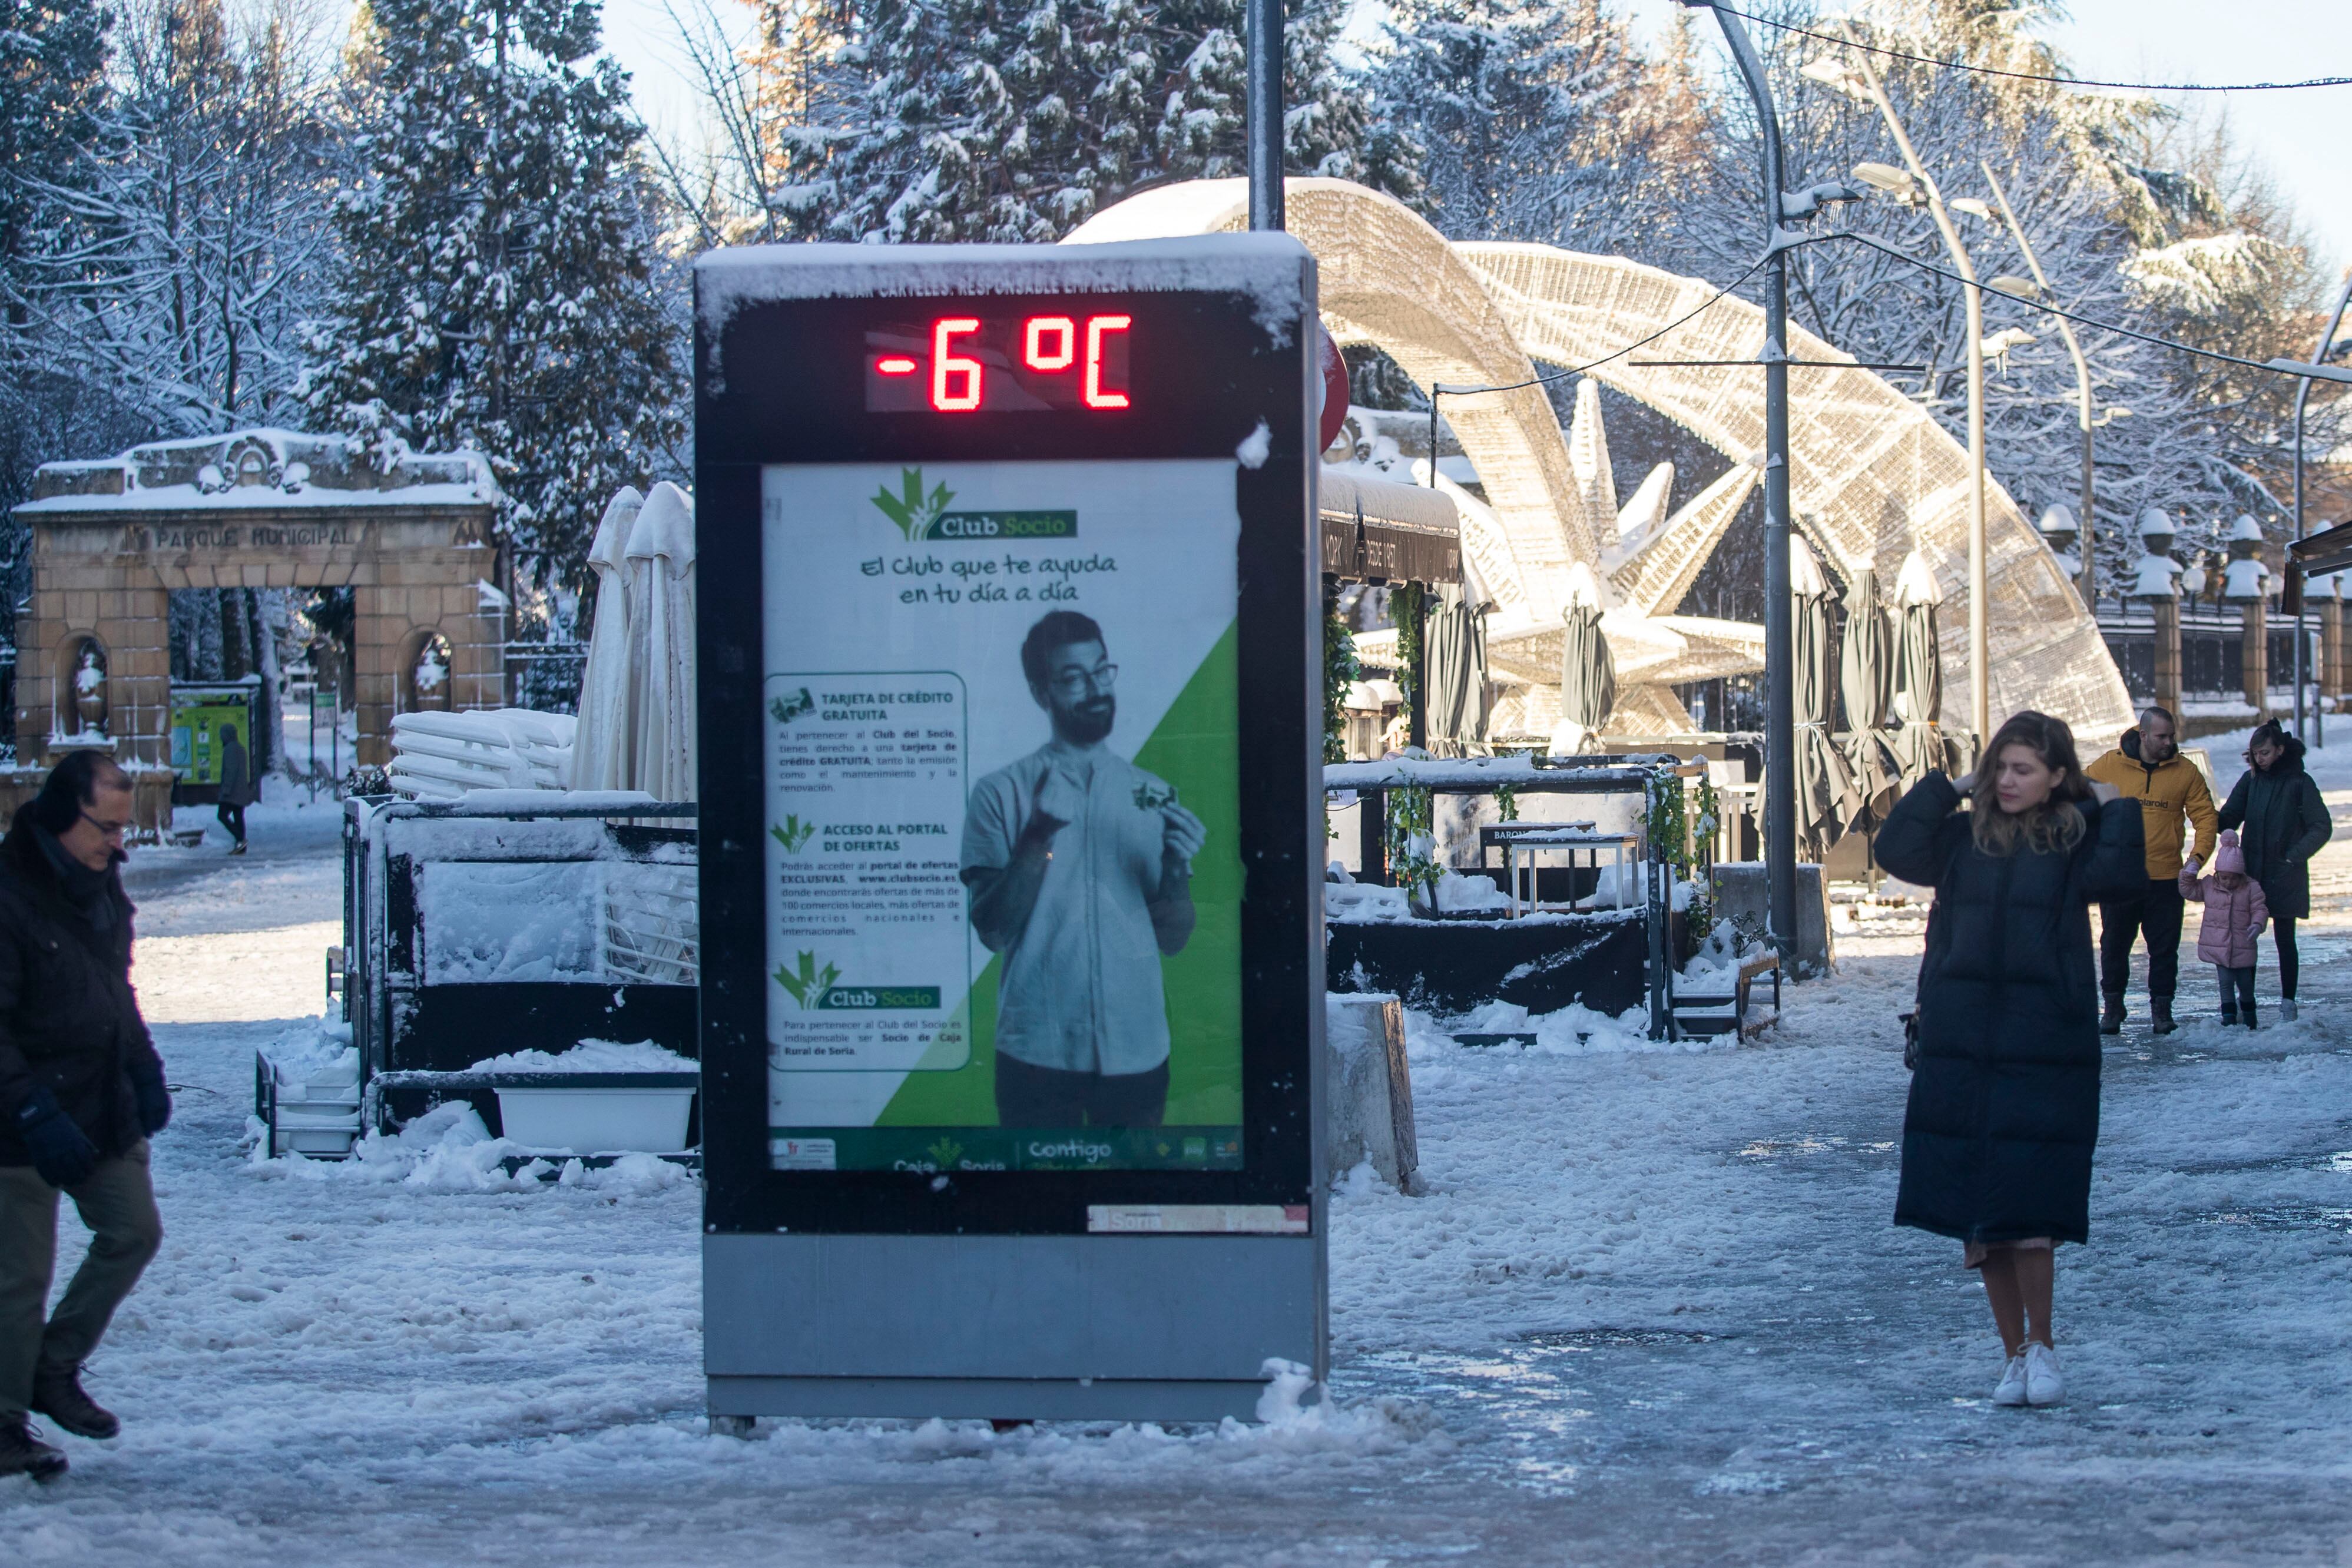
(118, 1204)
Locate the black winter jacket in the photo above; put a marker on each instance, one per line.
(2281, 821)
(67, 1016)
(2004, 1108)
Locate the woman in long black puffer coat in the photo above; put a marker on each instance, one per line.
(2282, 822)
(2005, 1106)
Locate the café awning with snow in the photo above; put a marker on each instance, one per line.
(1375, 530)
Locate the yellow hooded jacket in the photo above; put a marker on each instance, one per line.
(2166, 791)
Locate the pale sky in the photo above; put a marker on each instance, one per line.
(2304, 137)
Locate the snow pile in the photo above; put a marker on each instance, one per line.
(316, 1051)
(1572, 1030)
(592, 1056)
(449, 1149)
(1459, 894)
(1364, 900)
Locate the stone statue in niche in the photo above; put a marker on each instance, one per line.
(430, 679)
(89, 688)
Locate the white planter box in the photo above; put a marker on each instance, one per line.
(597, 1120)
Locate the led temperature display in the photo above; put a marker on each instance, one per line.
(998, 364)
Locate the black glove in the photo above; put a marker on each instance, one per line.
(154, 1100)
(61, 1154)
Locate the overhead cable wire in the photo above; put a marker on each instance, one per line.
(2276, 367)
(2035, 76)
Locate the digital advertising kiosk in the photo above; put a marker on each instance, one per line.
(1010, 663)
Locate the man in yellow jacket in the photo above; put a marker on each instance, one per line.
(2147, 766)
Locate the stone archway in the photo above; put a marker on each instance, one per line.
(1873, 476)
(112, 538)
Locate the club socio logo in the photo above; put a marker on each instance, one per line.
(923, 516)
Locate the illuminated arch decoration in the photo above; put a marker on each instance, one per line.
(1874, 477)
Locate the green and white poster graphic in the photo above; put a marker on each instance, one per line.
(1004, 889)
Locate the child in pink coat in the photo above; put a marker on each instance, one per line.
(2234, 916)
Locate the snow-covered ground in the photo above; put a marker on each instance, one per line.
(1650, 1311)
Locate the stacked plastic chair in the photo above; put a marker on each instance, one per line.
(445, 756)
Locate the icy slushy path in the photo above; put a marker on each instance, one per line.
(1649, 1311)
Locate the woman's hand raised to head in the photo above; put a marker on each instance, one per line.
(2104, 792)
(1965, 783)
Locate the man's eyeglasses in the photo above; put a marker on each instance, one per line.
(1077, 683)
(106, 830)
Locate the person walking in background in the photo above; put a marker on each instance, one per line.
(2005, 1106)
(238, 787)
(2146, 767)
(2282, 822)
(2234, 915)
(81, 1090)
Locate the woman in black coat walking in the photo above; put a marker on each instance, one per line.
(2004, 1106)
(2282, 822)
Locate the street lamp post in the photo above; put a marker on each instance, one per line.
(2088, 578)
(1861, 82)
(2302, 396)
(1261, 29)
(1779, 675)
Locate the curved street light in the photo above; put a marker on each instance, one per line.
(2088, 582)
(1913, 185)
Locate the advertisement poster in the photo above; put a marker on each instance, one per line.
(203, 725)
(1003, 887)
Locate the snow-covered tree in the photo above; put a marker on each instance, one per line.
(197, 236)
(2101, 195)
(496, 291)
(1538, 122)
(996, 119)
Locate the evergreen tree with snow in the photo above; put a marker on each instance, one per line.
(1536, 121)
(997, 119)
(1331, 125)
(497, 293)
(1018, 119)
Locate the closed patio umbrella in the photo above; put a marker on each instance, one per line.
(1866, 682)
(661, 644)
(1457, 640)
(1587, 674)
(1826, 801)
(1920, 745)
(602, 744)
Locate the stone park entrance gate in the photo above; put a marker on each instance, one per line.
(257, 508)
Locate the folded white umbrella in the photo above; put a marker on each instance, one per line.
(661, 644)
(602, 747)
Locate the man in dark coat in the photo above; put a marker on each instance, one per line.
(2282, 821)
(81, 1090)
(238, 787)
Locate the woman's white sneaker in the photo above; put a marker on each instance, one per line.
(2011, 1387)
(2044, 1385)
(2286, 1009)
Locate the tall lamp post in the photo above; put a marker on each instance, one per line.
(2302, 396)
(2088, 581)
(1779, 675)
(1918, 187)
(1262, 37)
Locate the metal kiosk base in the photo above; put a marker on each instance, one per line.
(1005, 1328)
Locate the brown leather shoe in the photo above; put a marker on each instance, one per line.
(22, 1454)
(60, 1396)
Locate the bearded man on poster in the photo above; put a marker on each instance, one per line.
(1079, 866)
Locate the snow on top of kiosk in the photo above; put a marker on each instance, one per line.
(1265, 267)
